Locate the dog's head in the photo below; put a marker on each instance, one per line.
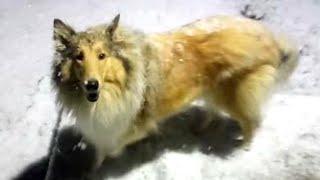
(89, 61)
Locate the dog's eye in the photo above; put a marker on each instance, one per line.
(101, 56)
(80, 56)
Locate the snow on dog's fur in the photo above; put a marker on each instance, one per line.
(120, 83)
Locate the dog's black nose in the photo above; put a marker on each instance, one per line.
(92, 85)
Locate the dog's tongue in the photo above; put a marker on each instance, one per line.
(93, 97)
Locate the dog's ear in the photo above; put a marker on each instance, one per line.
(113, 26)
(62, 34)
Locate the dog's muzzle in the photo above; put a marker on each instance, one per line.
(92, 90)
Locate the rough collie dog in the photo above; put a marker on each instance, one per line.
(120, 83)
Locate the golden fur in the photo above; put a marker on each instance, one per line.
(231, 63)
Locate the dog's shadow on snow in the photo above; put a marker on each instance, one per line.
(176, 134)
(72, 161)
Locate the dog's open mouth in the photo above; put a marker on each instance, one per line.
(93, 96)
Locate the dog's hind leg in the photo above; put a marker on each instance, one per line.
(243, 95)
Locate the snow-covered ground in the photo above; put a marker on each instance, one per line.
(286, 147)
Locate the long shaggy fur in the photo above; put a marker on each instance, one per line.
(232, 63)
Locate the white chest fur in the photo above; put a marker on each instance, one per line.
(106, 121)
(105, 135)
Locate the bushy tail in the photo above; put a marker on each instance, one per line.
(289, 58)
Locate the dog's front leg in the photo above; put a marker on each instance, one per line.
(135, 133)
(100, 156)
